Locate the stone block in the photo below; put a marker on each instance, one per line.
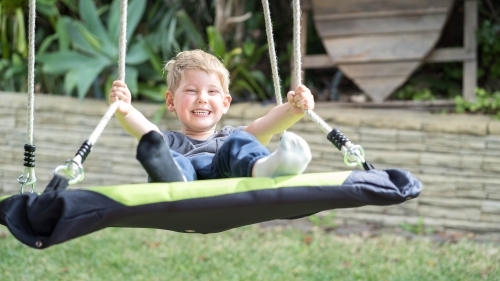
(237, 110)
(440, 160)
(411, 136)
(472, 214)
(491, 206)
(493, 127)
(491, 164)
(475, 194)
(492, 143)
(378, 146)
(489, 217)
(7, 121)
(388, 135)
(473, 125)
(472, 143)
(455, 203)
(344, 119)
(472, 226)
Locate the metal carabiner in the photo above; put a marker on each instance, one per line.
(353, 155)
(29, 180)
(73, 170)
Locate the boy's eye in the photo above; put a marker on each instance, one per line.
(213, 92)
(190, 90)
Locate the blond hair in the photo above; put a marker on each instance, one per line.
(199, 60)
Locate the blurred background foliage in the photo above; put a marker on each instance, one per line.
(77, 47)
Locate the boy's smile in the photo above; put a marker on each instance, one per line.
(199, 103)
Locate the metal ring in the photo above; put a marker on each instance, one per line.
(25, 181)
(354, 155)
(76, 176)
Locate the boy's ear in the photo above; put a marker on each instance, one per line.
(169, 101)
(226, 102)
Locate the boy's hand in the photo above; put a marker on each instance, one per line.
(301, 99)
(120, 91)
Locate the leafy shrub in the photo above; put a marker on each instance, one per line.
(94, 52)
(486, 102)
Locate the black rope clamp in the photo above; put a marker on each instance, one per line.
(84, 150)
(29, 155)
(354, 155)
(337, 138)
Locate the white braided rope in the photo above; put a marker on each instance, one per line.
(297, 59)
(272, 52)
(104, 121)
(28, 176)
(122, 52)
(297, 65)
(122, 41)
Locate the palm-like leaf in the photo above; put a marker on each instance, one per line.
(95, 47)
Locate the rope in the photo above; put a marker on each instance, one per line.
(353, 154)
(296, 56)
(122, 41)
(297, 59)
(73, 167)
(122, 52)
(272, 52)
(297, 65)
(28, 177)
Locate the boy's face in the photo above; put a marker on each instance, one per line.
(199, 101)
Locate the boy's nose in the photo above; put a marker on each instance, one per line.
(202, 97)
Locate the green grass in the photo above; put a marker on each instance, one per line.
(248, 253)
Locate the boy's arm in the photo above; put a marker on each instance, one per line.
(283, 116)
(134, 122)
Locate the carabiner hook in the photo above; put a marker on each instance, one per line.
(73, 170)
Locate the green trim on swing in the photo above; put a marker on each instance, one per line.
(149, 193)
(4, 197)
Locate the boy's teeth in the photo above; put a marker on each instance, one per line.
(200, 111)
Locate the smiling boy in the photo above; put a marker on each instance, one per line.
(198, 93)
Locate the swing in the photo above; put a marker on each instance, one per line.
(209, 206)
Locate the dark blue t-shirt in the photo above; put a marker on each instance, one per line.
(187, 146)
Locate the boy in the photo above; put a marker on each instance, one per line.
(198, 92)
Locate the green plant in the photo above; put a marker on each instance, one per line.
(94, 53)
(410, 92)
(239, 62)
(486, 102)
(14, 46)
(170, 31)
(14, 41)
(418, 228)
(325, 221)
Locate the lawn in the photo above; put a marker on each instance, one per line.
(248, 253)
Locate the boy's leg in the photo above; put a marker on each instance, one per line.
(237, 155)
(291, 158)
(242, 155)
(156, 158)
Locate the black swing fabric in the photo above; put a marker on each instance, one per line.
(58, 215)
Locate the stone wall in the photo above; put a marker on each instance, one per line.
(455, 156)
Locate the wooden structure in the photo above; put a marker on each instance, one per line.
(378, 44)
